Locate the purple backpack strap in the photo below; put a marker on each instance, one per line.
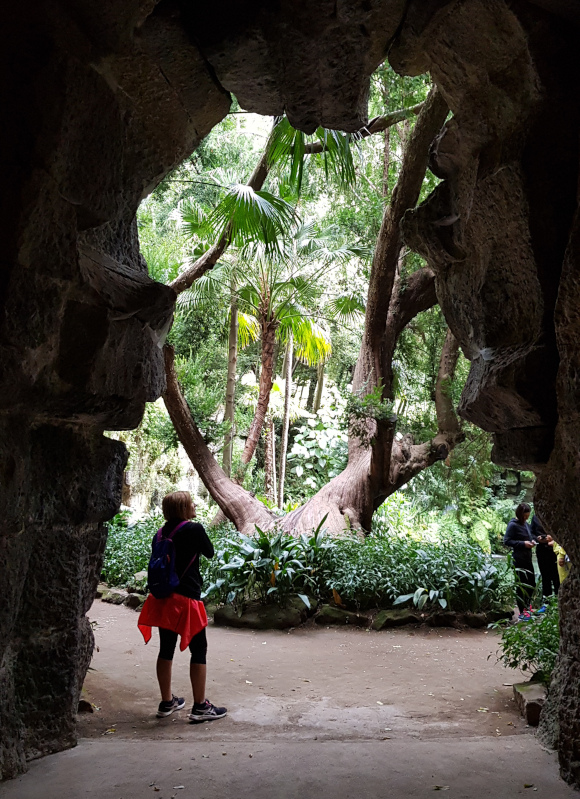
(171, 534)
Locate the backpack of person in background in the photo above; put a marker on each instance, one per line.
(162, 578)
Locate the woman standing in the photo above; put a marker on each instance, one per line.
(547, 561)
(182, 612)
(518, 537)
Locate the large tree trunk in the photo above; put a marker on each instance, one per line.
(265, 386)
(239, 505)
(269, 480)
(350, 499)
(319, 387)
(378, 464)
(286, 422)
(229, 414)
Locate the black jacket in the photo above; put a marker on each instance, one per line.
(515, 537)
(189, 540)
(544, 551)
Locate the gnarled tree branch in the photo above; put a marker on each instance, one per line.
(239, 505)
(376, 125)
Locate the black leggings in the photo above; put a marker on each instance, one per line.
(525, 586)
(548, 565)
(197, 645)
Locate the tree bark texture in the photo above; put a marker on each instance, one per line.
(269, 480)
(380, 464)
(229, 414)
(319, 387)
(286, 422)
(244, 510)
(265, 387)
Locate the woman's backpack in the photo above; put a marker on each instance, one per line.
(162, 578)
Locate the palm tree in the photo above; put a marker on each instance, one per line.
(271, 303)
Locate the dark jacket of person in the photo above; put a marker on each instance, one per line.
(189, 540)
(515, 537)
(543, 550)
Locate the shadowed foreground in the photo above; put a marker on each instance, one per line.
(312, 712)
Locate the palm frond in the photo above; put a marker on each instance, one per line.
(311, 341)
(346, 308)
(288, 144)
(248, 329)
(192, 219)
(337, 154)
(252, 216)
(207, 288)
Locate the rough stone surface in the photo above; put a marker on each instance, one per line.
(502, 232)
(114, 597)
(475, 620)
(444, 618)
(330, 615)
(386, 619)
(100, 102)
(263, 617)
(530, 698)
(134, 601)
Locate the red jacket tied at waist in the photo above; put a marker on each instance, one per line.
(183, 615)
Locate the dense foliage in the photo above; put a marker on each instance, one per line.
(299, 259)
(128, 547)
(382, 570)
(532, 646)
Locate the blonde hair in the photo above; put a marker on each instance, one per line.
(177, 505)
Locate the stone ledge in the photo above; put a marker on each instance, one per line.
(386, 619)
(331, 615)
(530, 698)
(262, 617)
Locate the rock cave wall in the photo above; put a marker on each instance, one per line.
(102, 99)
(502, 232)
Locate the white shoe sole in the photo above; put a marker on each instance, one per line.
(162, 714)
(198, 719)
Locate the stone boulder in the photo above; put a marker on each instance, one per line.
(394, 617)
(134, 601)
(114, 596)
(443, 618)
(331, 615)
(263, 617)
(530, 698)
(475, 620)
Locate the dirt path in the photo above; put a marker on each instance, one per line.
(313, 714)
(337, 684)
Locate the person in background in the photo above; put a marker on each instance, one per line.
(563, 562)
(518, 537)
(547, 561)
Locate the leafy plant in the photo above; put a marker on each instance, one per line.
(386, 569)
(320, 447)
(128, 547)
(532, 646)
(266, 567)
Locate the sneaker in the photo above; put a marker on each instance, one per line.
(525, 616)
(206, 712)
(167, 708)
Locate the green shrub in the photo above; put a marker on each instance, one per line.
(384, 570)
(128, 547)
(271, 567)
(532, 646)
(381, 570)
